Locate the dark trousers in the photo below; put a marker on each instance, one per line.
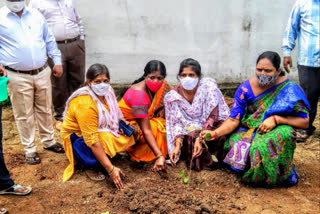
(5, 181)
(73, 63)
(309, 78)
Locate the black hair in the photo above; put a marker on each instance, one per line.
(96, 70)
(274, 58)
(191, 63)
(152, 66)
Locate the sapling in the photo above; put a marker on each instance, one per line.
(207, 138)
(213, 157)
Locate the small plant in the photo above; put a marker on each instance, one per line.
(213, 157)
(181, 174)
(185, 179)
(207, 138)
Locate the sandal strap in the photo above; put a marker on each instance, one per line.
(17, 186)
(31, 155)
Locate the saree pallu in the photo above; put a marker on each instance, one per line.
(267, 158)
(141, 150)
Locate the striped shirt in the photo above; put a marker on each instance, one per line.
(304, 24)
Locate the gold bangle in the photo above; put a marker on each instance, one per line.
(159, 155)
(179, 141)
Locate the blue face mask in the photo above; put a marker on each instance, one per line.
(100, 89)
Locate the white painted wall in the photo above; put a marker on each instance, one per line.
(225, 36)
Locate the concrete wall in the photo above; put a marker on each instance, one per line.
(225, 36)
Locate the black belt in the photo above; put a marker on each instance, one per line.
(31, 72)
(68, 40)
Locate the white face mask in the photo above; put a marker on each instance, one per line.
(100, 89)
(16, 6)
(189, 83)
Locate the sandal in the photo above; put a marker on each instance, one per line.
(57, 148)
(302, 135)
(13, 190)
(32, 158)
(94, 175)
(3, 210)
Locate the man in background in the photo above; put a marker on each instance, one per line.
(25, 42)
(304, 24)
(66, 25)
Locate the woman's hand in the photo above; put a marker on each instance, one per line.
(175, 154)
(160, 165)
(124, 120)
(197, 148)
(116, 177)
(205, 133)
(267, 125)
(3, 71)
(121, 131)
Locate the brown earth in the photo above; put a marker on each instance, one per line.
(218, 191)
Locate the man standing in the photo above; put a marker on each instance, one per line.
(304, 24)
(66, 25)
(7, 186)
(25, 41)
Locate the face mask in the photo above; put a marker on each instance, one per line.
(189, 83)
(153, 86)
(266, 80)
(15, 6)
(100, 89)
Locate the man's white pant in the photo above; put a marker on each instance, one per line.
(31, 99)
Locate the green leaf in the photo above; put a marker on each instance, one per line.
(185, 180)
(214, 158)
(208, 136)
(181, 174)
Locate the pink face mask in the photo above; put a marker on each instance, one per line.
(153, 86)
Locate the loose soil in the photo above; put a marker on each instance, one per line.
(218, 191)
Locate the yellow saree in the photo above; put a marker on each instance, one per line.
(82, 119)
(141, 151)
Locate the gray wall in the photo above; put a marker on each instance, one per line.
(225, 36)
